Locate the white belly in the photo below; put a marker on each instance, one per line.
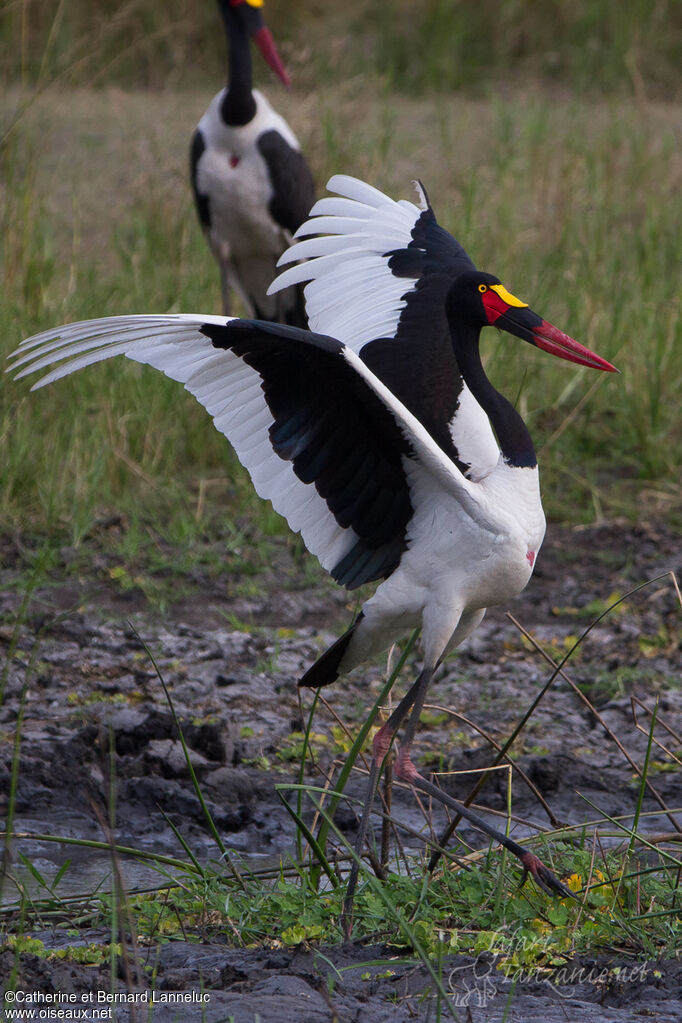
(454, 567)
(241, 225)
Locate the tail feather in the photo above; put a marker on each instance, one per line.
(325, 670)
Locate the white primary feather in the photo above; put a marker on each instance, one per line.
(228, 389)
(360, 191)
(321, 245)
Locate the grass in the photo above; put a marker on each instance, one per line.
(623, 906)
(454, 915)
(568, 196)
(631, 47)
(626, 893)
(464, 912)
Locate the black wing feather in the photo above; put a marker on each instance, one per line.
(293, 194)
(292, 181)
(196, 151)
(337, 434)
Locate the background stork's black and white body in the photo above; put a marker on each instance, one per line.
(374, 435)
(251, 183)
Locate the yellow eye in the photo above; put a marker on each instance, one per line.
(482, 288)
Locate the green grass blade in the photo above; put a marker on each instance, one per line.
(633, 834)
(91, 843)
(190, 767)
(185, 845)
(402, 923)
(310, 838)
(643, 777)
(301, 775)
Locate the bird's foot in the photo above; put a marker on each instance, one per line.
(543, 877)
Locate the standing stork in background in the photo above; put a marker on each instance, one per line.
(252, 186)
(377, 434)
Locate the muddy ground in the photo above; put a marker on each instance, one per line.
(231, 660)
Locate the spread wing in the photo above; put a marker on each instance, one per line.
(321, 436)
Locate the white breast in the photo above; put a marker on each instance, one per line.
(234, 175)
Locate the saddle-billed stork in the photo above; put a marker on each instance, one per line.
(376, 434)
(252, 186)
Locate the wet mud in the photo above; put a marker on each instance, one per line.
(81, 676)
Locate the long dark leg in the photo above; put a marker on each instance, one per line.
(532, 864)
(443, 839)
(414, 697)
(406, 771)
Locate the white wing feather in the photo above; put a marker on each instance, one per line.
(231, 393)
(352, 294)
(229, 390)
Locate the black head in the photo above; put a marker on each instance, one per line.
(249, 14)
(477, 299)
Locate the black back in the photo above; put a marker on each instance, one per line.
(338, 435)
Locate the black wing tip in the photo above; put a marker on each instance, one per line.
(242, 327)
(213, 331)
(325, 670)
(411, 260)
(365, 564)
(227, 335)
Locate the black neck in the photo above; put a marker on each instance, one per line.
(512, 434)
(238, 106)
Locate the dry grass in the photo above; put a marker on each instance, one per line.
(628, 48)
